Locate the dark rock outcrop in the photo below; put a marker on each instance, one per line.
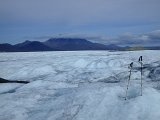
(2, 80)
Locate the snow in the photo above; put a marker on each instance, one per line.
(79, 85)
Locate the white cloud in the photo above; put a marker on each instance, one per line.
(147, 39)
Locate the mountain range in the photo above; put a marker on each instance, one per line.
(64, 44)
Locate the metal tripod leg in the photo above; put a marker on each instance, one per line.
(128, 83)
(141, 79)
(140, 61)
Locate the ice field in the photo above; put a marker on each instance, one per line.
(79, 85)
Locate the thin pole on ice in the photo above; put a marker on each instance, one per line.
(130, 72)
(140, 61)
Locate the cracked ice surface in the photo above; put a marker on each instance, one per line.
(79, 85)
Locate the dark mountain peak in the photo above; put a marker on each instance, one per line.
(5, 44)
(33, 42)
(33, 46)
(73, 44)
(27, 41)
(23, 43)
(67, 40)
(7, 48)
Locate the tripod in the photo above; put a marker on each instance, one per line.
(130, 73)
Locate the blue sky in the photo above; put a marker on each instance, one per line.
(123, 22)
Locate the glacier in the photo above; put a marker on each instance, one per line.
(79, 85)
